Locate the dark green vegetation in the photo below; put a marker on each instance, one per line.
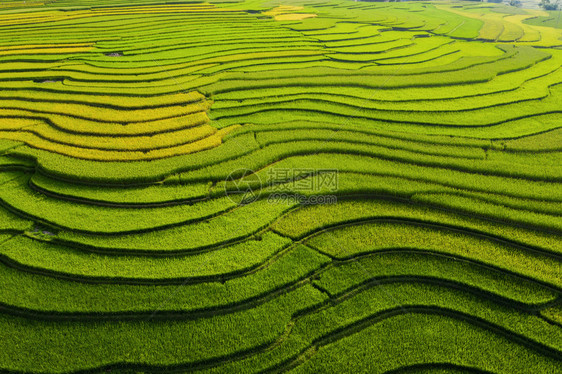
(125, 127)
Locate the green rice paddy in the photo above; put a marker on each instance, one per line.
(324, 186)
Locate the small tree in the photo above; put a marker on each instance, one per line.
(515, 3)
(550, 5)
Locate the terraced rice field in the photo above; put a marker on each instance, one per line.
(144, 146)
